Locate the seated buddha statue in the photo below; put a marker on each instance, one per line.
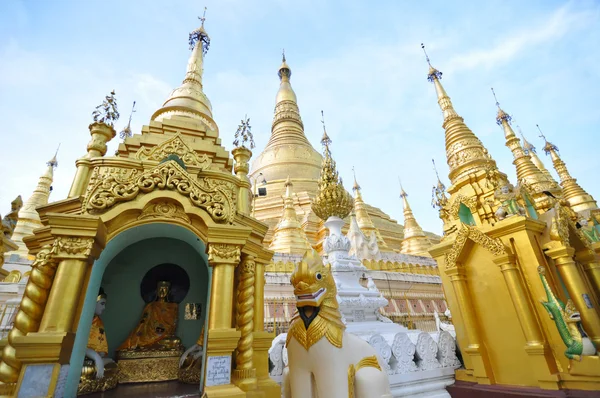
(151, 351)
(99, 373)
(190, 363)
(156, 328)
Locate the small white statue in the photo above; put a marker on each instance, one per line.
(442, 326)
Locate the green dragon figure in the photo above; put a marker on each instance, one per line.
(567, 320)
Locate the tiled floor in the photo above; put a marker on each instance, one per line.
(150, 390)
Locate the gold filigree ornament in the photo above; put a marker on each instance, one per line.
(217, 198)
(164, 209)
(175, 146)
(221, 252)
(493, 245)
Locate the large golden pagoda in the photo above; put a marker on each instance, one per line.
(289, 153)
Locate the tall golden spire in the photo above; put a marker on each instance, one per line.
(188, 100)
(287, 127)
(579, 200)
(362, 216)
(415, 242)
(289, 236)
(527, 172)
(465, 154)
(29, 219)
(531, 151)
(331, 200)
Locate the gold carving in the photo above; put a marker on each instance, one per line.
(493, 245)
(223, 253)
(177, 147)
(89, 384)
(164, 209)
(245, 317)
(31, 309)
(217, 198)
(140, 370)
(68, 246)
(470, 202)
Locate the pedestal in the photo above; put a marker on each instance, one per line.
(148, 366)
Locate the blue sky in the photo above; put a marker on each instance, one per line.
(359, 61)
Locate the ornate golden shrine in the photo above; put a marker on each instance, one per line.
(176, 172)
(507, 255)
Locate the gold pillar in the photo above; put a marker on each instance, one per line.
(222, 337)
(518, 295)
(64, 296)
(573, 280)
(101, 133)
(591, 267)
(242, 155)
(245, 373)
(542, 361)
(482, 369)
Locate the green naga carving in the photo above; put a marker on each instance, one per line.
(567, 320)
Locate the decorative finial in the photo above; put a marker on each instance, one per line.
(126, 132)
(325, 140)
(529, 148)
(501, 114)
(426, 56)
(283, 55)
(200, 35)
(54, 162)
(107, 112)
(433, 73)
(244, 133)
(549, 147)
(438, 194)
(403, 193)
(356, 187)
(203, 17)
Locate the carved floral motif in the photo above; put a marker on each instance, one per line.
(175, 146)
(426, 352)
(164, 209)
(470, 202)
(223, 253)
(217, 198)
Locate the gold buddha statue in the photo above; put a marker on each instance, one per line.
(99, 373)
(151, 351)
(156, 328)
(190, 363)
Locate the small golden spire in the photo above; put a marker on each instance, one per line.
(531, 151)
(289, 237)
(363, 218)
(415, 242)
(355, 187)
(188, 100)
(331, 199)
(464, 151)
(29, 219)
(579, 200)
(527, 172)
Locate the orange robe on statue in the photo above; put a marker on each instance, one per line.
(97, 340)
(159, 320)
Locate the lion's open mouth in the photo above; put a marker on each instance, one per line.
(311, 297)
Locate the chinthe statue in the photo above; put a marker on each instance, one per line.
(151, 351)
(190, 363)
(99, 373)
(323, 359)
